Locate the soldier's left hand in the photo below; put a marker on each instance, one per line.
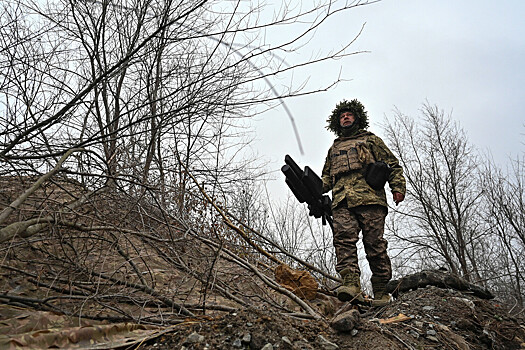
(398, 197)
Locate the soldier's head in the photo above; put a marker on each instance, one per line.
(347, 117)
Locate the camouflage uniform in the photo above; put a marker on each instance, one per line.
(356, 206)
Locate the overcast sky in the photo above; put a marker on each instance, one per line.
(467, 57)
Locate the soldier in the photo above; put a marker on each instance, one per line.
(356, 205)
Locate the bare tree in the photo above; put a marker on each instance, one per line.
(443, 197)
(504, 194)
(145, 85)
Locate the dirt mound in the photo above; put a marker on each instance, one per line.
(137, 277)
(425, 318)
(436, 319)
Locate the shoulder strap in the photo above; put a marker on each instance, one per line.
(371, 150)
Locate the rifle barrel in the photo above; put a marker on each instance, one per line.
(293, 165)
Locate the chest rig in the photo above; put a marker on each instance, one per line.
(349, 154)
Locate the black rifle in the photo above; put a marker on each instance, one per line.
(308, 187)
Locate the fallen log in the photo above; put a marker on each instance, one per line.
(438, 278)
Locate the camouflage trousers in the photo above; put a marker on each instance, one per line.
(348, 222)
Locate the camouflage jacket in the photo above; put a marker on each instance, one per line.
(351, 185)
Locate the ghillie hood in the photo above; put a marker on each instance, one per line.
(354, 106)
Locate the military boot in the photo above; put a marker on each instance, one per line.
(351, 288)
(381, 297)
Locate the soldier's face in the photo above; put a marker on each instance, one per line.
(346, 118)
